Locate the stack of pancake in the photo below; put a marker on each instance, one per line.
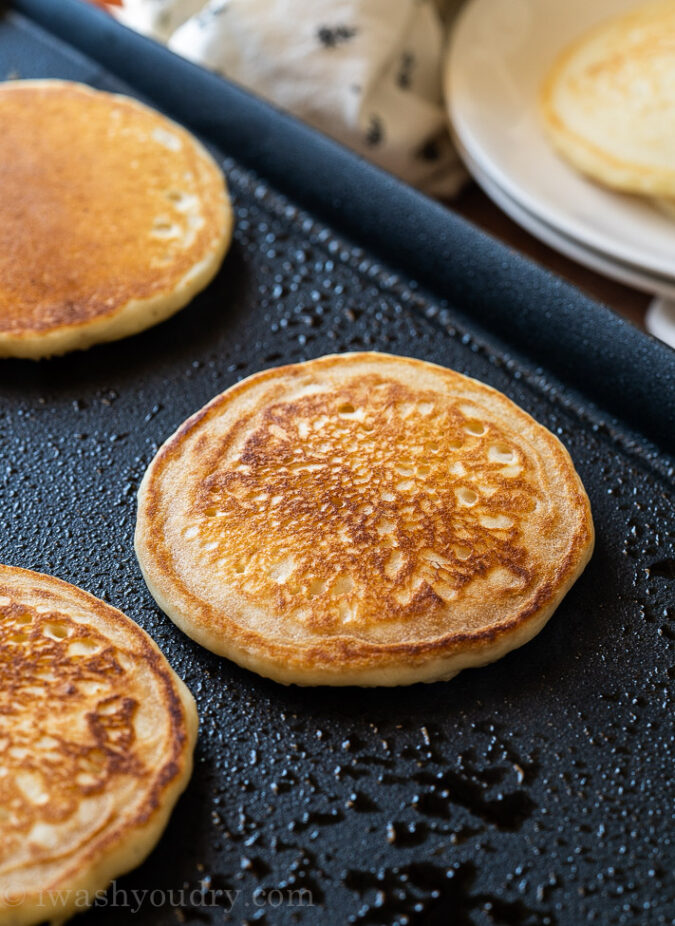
(608, 104)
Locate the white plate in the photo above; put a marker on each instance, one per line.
(625, 273)
(499, 53)
(660, 320)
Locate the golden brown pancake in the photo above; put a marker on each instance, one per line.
(111, 217)
(608, 104)
(361, 519)
(96, 742)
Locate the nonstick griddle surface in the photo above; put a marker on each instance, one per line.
(534, 791)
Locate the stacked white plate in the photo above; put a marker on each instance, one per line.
(499, 53)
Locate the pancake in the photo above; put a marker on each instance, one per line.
(361, 519)
(666, 206)
(608, 104)
(111, 217)
(96, 740)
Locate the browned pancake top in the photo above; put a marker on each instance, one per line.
(372, 503)
(93, 731)
(358, 507)
(103, 201)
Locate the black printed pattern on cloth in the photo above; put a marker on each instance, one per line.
(332, 36)
(405, 70)
(374, 66)
(375, 131)
(431, 151)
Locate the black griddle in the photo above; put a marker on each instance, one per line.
(534, 791)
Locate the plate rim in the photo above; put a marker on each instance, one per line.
(636, 277)
(550, 215)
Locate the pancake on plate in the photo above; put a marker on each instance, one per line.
(96, 742)
(111, 217)
(666, 206)
(361, 519)
(608, 104)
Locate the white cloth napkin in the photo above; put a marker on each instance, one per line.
(367, 72)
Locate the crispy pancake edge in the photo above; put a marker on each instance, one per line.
(342, 660)
(122, 848)
(137, 314)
